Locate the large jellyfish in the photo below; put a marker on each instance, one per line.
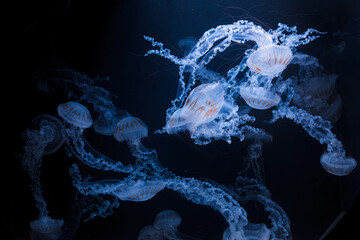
(75, 114)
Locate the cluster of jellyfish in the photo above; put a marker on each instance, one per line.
(206, 107)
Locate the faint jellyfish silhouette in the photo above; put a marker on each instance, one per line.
(141, 191)
(259, 97)
(176, 123)
(130, 129)
(333, 112)
(270, 59)
(203, 104)
(46, 228)
(50, 128)
(258, 136)
(256, 232)
(75, 114)
(186, 44)
(167, 220)
(105, 124)
(149, 233)
(337, 164)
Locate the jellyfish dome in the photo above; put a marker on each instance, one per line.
(270, 59)
(320, 86)
(50, 129)
(130, 129)
(47, 225)
(259, 97)
(256, 232)
(149, 233)
(75, 114)
(337, 164)
(203, 104)
(167, 219)
(141, 191)
(176, 123)
(105, 124)
(186, 44)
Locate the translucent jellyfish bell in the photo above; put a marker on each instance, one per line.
(46, 228)
(130, 129)
(203, 104)
(337, 164)
(167, 219)
(149, 233)
(141, 191)
(256, 231)
(105, 124)
(50, 128)
(270, 59)
(259, 97)
(75, 114)
(320, 86)
(260, 136)
(186, 44)
(176, 123)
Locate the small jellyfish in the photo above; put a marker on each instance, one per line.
(256, 231)
(45, 228)
(141, 191)
(337, 164)
(270, 59)
(75, 114)
(259, 97)
(130, 129)
(176, 123)
(50, 129)
(203, 104)
(167, 219)
(259, 136)
(105, 124)
(149, 233)
(186, 44)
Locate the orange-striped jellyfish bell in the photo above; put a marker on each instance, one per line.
(75, 114)
(337, 164)
(270, 59)
(167, 220)
(130, 129)
(46, 228)
(176, 123)
(141, 191)
(259, 97)
(203, 104)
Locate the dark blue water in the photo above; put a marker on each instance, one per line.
(106, 38)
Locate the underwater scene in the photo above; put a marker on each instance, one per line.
(182, 120)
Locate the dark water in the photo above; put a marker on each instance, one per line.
(106, 38)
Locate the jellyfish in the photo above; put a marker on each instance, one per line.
(259, 97)
(186, 44)
(168, 219)
(46, 228)
(51, 129)
(141, 191)
(149, 233)
(337, 164)
(130, 129)
(256, 231)
(105, 124)
(75, 114)
(176, 123)
(203, 104)
(270, 60)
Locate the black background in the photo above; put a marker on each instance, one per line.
(105, 38)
